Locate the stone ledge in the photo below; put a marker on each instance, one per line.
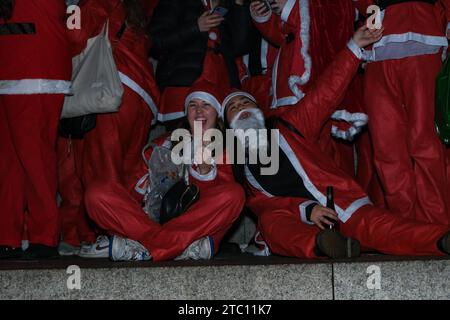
(229, 278)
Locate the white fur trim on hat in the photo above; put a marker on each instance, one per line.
(231, 96)
(205, 96)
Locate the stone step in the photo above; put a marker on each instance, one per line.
(229, 277)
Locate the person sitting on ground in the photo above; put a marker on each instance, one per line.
(290, 205)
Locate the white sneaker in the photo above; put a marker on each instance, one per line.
(202, 249)
(99, 249)
(122, 249)
(65, 249)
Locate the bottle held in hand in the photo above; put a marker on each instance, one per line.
(330, 205)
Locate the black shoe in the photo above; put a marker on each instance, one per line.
(335, 245)
(444, 243)
(10, 252)
(40, 251)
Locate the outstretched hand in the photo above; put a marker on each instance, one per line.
(365, 36)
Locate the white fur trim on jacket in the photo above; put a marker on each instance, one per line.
(35, 86)
(261, 19)
(357, 121)
(210, 176)
(130, 83)
(303, 207)
(294, 81)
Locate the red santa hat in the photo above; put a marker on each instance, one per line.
(235, 93)
(205, 91)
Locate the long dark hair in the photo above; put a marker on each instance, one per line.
(136, 16)
(6, 9)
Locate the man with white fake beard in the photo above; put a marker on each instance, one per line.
(290, 204)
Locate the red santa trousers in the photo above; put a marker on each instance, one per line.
(29, 159)
(408, 155)
(75, 226)
(115, 210)
(374, 227)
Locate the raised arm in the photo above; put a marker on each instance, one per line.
(311, 113)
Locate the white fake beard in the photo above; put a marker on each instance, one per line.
(255, 121)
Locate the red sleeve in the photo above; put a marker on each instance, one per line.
(310, 114)
(446, 4)
(94, 14)
(271, 30)
(362, 6)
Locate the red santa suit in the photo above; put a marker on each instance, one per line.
(119, 212)
(311, 34)
(109, 152)
(34, 76)
(260, 86)
(282, 219)
(400, 94)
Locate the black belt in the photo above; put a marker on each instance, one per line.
(383, 4)
(8, 29)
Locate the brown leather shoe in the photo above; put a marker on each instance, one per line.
(335, 245)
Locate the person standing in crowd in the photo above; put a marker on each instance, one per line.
(35, 70)
(110, 151)
(400, 94)
(310, 34)
(195, 234)
(290, 205)
(197, 40)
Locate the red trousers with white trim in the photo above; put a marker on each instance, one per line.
(28, 131)
(409, 157)
(375, 228)
(75, 226)
(115, 210)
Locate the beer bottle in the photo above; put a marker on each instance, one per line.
(330, 205)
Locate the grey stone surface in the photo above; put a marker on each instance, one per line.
(398, 280)
(296, 281)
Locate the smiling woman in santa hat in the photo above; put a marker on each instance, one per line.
(195, 234)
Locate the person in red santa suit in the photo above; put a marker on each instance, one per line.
(400, 95)
(34, 76)
(194, 40)
(195, 234)
(310, 34)
(110, 151)
(291, 203)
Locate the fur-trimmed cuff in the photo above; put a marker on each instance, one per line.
(306, 209)
(357, 51)
(262, 19)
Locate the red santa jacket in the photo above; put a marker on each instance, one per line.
(410, 28)
(315, 168)
(130, 50)
(38, 62)
(292, 67)
(293, 71)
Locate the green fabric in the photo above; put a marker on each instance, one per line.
(443, 103)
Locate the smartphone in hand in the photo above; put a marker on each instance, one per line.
(221, 11)
(267, 6)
